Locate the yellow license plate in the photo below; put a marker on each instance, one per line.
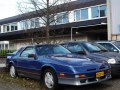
(100, 74)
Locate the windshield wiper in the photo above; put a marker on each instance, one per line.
(104, 50)
(95, 51)
(99, 51)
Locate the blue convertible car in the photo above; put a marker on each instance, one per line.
(54, 65)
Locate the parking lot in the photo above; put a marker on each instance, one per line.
(112, 84)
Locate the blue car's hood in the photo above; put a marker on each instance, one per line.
(74, 60)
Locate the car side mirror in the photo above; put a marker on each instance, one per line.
(32, 56)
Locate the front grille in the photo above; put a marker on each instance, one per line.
(91, 79)
(102, 77)
(102, 67)
(83, 80)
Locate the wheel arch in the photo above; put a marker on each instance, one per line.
(46, 67)
(10, 63)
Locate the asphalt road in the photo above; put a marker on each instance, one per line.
(113, 84)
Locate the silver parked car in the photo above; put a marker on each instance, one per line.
(112, 46)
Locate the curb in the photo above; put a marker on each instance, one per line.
(2, 67)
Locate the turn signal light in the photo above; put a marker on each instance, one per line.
(82, 75)
(62, 75)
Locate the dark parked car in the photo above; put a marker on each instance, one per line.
(112, 46)
(55, 65)
(96, 52)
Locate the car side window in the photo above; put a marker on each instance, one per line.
(43, 50)
(75, 47)
(109, 46)
(27, 51)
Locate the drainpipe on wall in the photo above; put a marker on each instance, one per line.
(109, 19)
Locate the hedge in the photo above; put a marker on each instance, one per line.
(3, 53)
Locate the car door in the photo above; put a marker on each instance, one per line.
(28, 66)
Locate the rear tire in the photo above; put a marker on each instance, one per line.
(12, 71)
(50, 79)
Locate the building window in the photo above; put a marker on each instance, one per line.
(77, 15)
(95, 12)
(59, 18)
(32, 23)
(16, 28)
(6, 46)
(99, 11)
(63, 18)
(103, 10)
(84, 14)
(13, 26)
(2, 46)
(24, 24)
(3, 28)
(8, 28)
(52, 20)
(41, 21)
(37, 23)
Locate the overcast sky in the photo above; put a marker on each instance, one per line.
(8, 8)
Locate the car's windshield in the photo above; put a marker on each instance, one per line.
(93, 47)
(51, 49)
(17, 51)
(75, 47)
(117, 43)
(100, 47)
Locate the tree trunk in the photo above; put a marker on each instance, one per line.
(47, 34)
(47, 24)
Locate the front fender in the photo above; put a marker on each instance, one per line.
(60, 68)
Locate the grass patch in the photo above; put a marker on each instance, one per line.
(23, 82)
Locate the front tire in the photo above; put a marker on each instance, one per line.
(13, 73)
(50, 79)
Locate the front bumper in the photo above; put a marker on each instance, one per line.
(82, 81)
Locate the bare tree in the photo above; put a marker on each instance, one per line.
(47, 10)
